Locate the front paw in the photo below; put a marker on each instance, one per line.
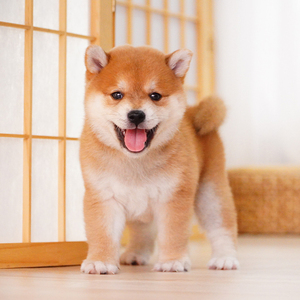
(98, 267)
(224, 263)
(132, 258)
(181, 265)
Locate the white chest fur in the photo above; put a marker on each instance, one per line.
(135, 193)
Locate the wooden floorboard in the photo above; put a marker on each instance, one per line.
(270, 269)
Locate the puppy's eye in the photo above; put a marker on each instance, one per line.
(155, 96)
(117, 95)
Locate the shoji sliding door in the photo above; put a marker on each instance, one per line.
(41, 107)
(42, 77)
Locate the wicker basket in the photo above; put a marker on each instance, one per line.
(267, 199)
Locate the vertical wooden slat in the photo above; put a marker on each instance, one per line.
(114, 7)
(102, 23)
(148, 23)
(95, 21)
(62, 121)
(27, 144)
(106, 34)
(129, 22)
(206, 76)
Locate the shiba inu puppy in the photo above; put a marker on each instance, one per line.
(150, 161)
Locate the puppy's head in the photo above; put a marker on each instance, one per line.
(134, 96)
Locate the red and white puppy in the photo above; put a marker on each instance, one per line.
(150, 161)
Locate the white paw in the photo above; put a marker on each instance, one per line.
(98, 267)
(132, 258)
(224, 263)
(182, 265)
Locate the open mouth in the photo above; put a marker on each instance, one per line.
(135, 140)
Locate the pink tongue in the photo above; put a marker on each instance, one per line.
(135, 139)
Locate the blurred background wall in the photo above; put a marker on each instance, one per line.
(257, 67)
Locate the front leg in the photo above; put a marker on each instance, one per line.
(104, 223)
(173, 222)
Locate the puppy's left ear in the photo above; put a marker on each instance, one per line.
(95, 59)
(179, 62)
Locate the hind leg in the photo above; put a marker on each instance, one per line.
(141, 243)
(215, 208)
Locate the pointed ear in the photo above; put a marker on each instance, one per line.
(95, 59)
(179, 61)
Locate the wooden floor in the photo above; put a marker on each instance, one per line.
(270, 269)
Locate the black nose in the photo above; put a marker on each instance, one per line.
(136, 117)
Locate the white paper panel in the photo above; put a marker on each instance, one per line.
(174, 34)
(11, 190)
(74, 194)
(190, 7)
(121, 25)
(12, 11)
(44, 199)
(157, 32)
(191, 44)
(75, 85)
(174, 5)
(45, 84)
(157, 4)
(139, 2)
(138, 28)
(11, 80)
(46, 13)
(78, 16)
(191, 97)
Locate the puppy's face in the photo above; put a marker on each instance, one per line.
(134, 96)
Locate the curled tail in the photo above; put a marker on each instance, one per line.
(208, 115)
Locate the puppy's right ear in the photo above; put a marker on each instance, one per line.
(95, 59)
